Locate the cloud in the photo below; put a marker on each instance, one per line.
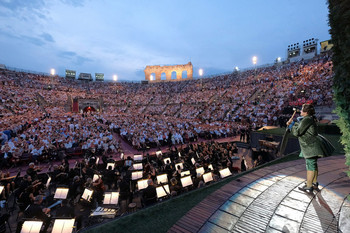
(33, 40)
(19, 4)
(75, 59)
(75, 3)
(47, 37)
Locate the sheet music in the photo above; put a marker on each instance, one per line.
(1, 189)
(63, 226)
(186, 181)
(96, 177)
(161, 192)
(207, 177)
(110, 165)
(158, 153)
(193, 161)
(136, 175)
(47, 183)
(138, 166)
(142, 184)
(185, 173)
(87, 194)
(137, 157)
(31, 226)
(111, 198)
(179, 154)
(167, 159)
(179, 164)
(200, 170)
(162, 178)
(211, 167)
(225, 172)
(61, 193)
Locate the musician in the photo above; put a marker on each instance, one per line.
(37, 211)
(67, 211)
(32, 171)
(149, 194)
(99, 189)
(259, 161)
(6, 182)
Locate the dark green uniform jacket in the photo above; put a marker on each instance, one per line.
(310, 143)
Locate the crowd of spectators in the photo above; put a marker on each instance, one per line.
(34, 107)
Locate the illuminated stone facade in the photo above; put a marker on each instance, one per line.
(154, 73)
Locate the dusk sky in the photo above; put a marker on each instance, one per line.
(123, 37)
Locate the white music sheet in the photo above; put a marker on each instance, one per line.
(31, 226)
(61, 193)
(161, 192)
(63, 226)
(186, 181)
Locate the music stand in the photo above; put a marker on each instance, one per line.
(211, 167)
(138, 157)
(63, 226)
(207, 177)
(159, 153)
(137, 166)
(193, 161)
(186, 181)
(110, 165)
(160, 191)
(142, 184)
(185, 173)
(31, 226)
(162, 178)
(61, 193)
(200, 170)
(166, 160)
(87, 195)
(47, 182)
(136, 175)
(111, 198)
(225, 172)
(179, 164)
(1, 189)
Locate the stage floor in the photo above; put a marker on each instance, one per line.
(268, 200)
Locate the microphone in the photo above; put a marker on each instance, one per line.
(296, 110)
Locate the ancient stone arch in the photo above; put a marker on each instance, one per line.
(158, 70)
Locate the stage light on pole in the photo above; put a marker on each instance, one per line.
(52, 72)
(200, 72)
(236, 68)
(279, 59)
(115, 78)
(254, 59)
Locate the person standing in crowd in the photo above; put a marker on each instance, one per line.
(311, 146)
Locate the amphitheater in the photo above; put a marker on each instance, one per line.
(104, 155)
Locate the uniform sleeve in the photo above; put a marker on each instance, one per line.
(300, 128)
